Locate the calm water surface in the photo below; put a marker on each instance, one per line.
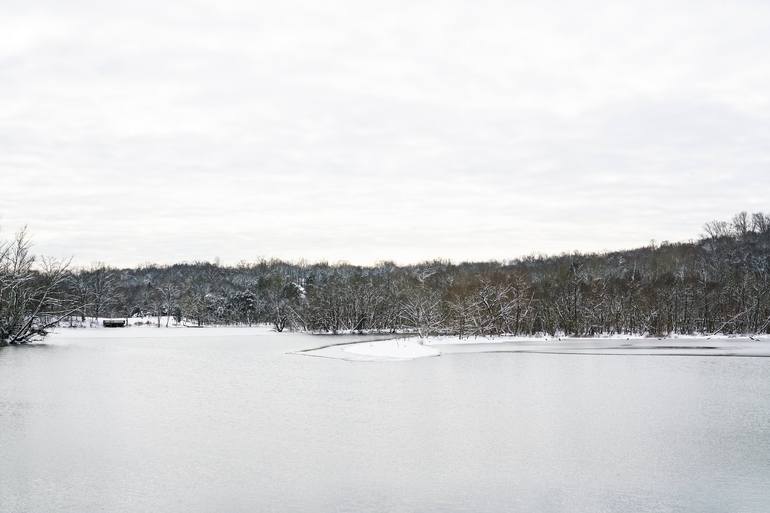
(225, 421)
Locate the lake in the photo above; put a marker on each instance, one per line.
(204, 420)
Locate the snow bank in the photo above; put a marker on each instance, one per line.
(133, 322)
(397, 349)
(153, 331)
(682, 346)
(542, 339)
(411, 348)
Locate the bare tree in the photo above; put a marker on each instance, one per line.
(79, 284)
(281, 301)
(33, 298)
(101, 289)
(168, 295)
(760, 222)
(741, 223)
(421, 311)
(716, 229)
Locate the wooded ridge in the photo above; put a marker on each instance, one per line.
(719, 283)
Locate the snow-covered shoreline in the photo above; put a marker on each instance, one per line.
(454, 340)
(402, 349)
(393, 349)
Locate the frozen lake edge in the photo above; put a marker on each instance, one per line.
(400, 347)
(404, 349)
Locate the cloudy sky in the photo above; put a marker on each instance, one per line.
(350, 130)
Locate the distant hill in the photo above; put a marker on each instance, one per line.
(719, 283)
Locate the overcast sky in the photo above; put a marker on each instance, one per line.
(187, 130)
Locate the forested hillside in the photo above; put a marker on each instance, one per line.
(720, 283)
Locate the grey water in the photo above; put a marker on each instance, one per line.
(225, 420)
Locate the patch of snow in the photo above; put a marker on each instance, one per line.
(153, 331)
(682, 346)
(411, 348)
(395, 349)
(146, 321)
(543, 339)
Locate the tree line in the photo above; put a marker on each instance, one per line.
(719, 283)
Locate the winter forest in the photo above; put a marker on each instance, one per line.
(717, 284)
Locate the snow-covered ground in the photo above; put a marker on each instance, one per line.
(133, 322)
(690, 346)
(147, 327)
(395, 349)
(541, 339)
(411, 348)
(392, 349)
(400, 348)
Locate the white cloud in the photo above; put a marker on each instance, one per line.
(365, 131)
